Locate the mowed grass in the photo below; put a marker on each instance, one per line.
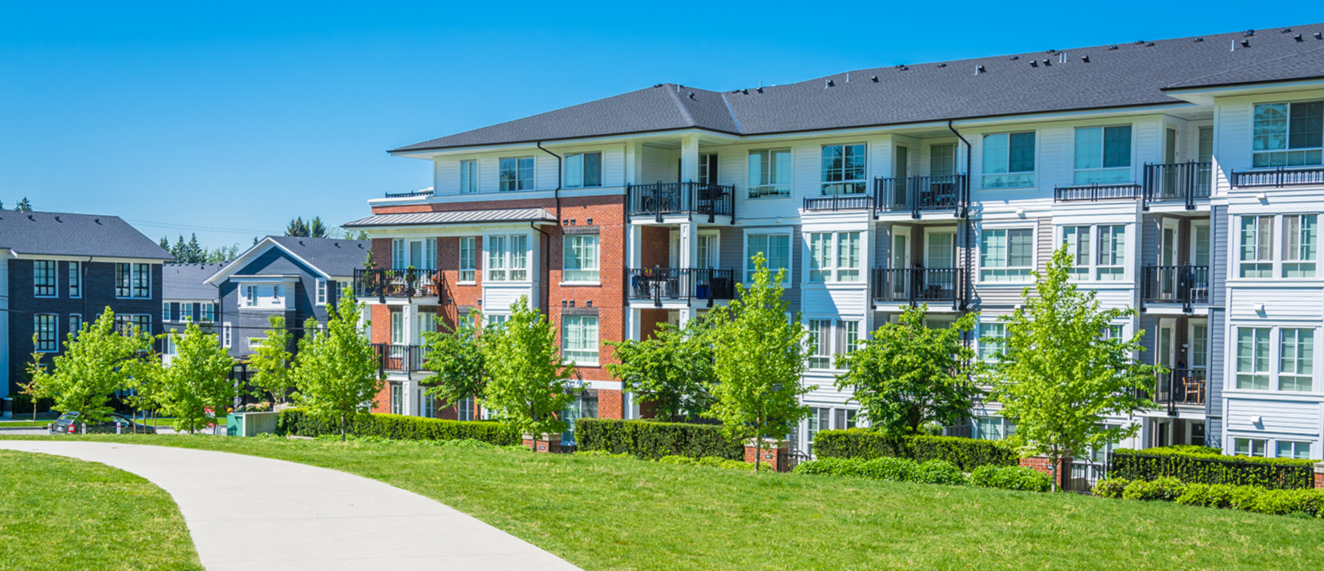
(610, 513)
(60, 513)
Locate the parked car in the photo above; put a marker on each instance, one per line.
(66, 425)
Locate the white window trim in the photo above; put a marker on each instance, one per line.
(836, 331)
(1034, 173)
(1250, 128)
(597, 345)
(832, 269)
(789, 184)
(1281, 261)
(716, 260)
(474, 252)
(132, 267)
(597, 259)
(565, 169)
(321, 295)
(205, 316)
(823, 183)
(474, 185)
(1103, 130)
(746, 273)
(533, 181)
(1096, 252)
(227, 335)
(979, 254)
(1274, 372)
(508, 257)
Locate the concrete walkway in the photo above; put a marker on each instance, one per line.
(246, 512)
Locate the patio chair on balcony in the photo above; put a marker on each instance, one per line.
(1194, 390)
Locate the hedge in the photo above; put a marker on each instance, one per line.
(653, 440)
(966, 453)
(22, 404)
(1248, 498)
(885, 468)
(1193, 467)
(296, 422)
(1010, 478)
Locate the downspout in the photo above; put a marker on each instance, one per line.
(546, 268)
(964, 214)
(557, 192)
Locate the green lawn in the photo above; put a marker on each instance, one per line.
(608, 513)
(60, 513)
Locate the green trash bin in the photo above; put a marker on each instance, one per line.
(234, 424)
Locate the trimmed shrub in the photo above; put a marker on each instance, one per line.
(1162, 489)
(891, 469)
(22, 404)
(888, 469)
(1111, 488)
(1207, 495)
(939, 472)
(653, 440)
(966, 453)
(296, 422)
(1197, 465)
(1010, 478)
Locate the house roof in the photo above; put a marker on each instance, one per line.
(1120, 75)
(455, 217)
(188, 281)
(330, 256)
(64, 234)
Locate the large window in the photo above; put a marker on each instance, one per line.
(468, 259)
(776, 248)
(468, 177)
(1289, 134)
(261, 296)
(1103, 258)
(708, 168)
(770, 173)
(581, 258)
(133, 280)
(834, 256)
(507, 257)
(1008, 160)
(579, 339)
(47, 330)
(43, 278)
(818, 421)
(583, 170)
(1249, 446)
(1253, 358)
(1296, 357)
(126, 324)
(465, 409)
(75, 279)
(1256, 246)
(843, 169)
(516, 174)
(1006, 255)
(1299, 232)
(820, 344)
(417, 254)
(1103, 155)
(992, 340)
(991, 428)
(1293, 449)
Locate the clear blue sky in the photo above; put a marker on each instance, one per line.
(229, 119)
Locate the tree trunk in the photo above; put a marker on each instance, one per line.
(342, 427)
(1052, 470)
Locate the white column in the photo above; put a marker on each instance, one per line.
(635, 323)
(635, 256)
(409, 323)
(689, 158)
(633, 158)
(688, 245)
(408, 406)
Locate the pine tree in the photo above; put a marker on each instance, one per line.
(316, 229)
(297, 228)
(178, 250)
(24, 205)
(165, 243)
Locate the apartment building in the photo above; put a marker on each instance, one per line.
(186, 298)
(1184, 175)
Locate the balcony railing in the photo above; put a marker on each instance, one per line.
(663, 198)
(399, 358)
(398, 283)
(1180, 387)
(1279, 177)
(918, 194)
(1184, 182)
(1095, 192)
(835, 202)
(680, 284)
(411, 194)
(1187, 285)
(918, 285)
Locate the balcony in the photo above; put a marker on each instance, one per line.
(410, 194)
(1279, 177)
(1187, 285)
(399, 358)
(1184, 182)
(398, 283)
(1180, 387)
(1096, 192)
(687, 198)
(918, 285)
(917, 194)
(680, 284)
(836, 202)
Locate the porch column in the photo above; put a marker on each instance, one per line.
(634, 257)
(689, 158)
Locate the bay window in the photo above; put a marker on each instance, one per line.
(1077, 240)
(843, 169)
(776, 249)
(1112, 253)
(1103, 155)
(1288, 134)
(1299, 245)
(1006, 255)
(1253, 358)
(579, 339)
(834, 256)
(770, 173)
(1256, 247)
(1008, 160)
(581, 258)
(507, 257)
(583, 170)
(515, 174)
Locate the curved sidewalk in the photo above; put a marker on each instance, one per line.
(246, 512)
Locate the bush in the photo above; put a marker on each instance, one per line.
(296, 422)
(22, 404)
(653, 440)
(966, 453)
(1207, 495)
(891, 469)
(1200, 465)
(1111, 488)
(1308, 503)
(711, 461)
(888, 469)
(1163, 489)
(1010, 478)
(939, 472)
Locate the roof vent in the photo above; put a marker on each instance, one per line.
(300, 242)
(1014, 58)
(1245, 43)
(1198, 40)
(1085, 59)
(1048, 62)
(828, 84)
(57, 219)
(1062, 57)
(1149, 44)
(336, 244)
(1250, 33)
(658, 85)
(97, 220)
(1034, 63)
(1051, 51)
(1112, 47)
(942, 65)
(31, 218)
(1318, 35)
(691, 95)
(873, 78)
(1287, 30)
(979, 69)
(1298, 38)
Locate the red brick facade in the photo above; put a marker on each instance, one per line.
(1042, 464)
(1319, 475)
(775, 455)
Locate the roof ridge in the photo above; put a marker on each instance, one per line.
(1258, 63)
(680, 104)
(732, 112)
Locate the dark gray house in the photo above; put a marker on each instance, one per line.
(61, 269)
(187, 297)
(296, 278)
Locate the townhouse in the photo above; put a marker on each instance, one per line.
(186, 298)
(1183, 175)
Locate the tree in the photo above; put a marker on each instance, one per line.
(297, 227)
(456, 355)
(758, 357)
(271, 361)
(100, 361)
(1061, 375)
(165, 244)
(32, 388)
(336, 368)
(672, 369)
(222, 254)
(530, 382)
(194, 252)
(315, 228)
(179, 249)
(197, 380)
(909, 375)
(24, 205)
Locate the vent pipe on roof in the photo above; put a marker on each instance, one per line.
(31, 218)
(57, 219)
(848, 77)
(979, 69)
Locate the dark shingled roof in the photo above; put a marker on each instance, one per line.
(334, 256)
(63, 234)
(187, 281)
(455, 217)
(1122, 75)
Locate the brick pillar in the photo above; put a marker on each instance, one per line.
(1041, 464)
(548, 443)
(1319, 475)
(776, 454)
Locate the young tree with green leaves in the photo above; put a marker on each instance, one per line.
(196, 388)
(1061, 375)
(672, 369)
(456, 355)
(271, 362)
(530, 382)
(758, 357)
(336, 369)
(99, 361)
(32, 388)
(910, 374)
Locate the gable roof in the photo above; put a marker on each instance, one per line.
(331, 257)
(188, 281)
(1109, 76)
(64, 234)
(455, 217)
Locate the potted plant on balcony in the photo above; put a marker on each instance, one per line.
(411, 278)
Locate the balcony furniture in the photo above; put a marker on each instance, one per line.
(680, 284)
(1194, 388)
(918, 285)
(680, 198)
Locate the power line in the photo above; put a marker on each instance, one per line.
(174, 226)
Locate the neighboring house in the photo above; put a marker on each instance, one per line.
(187, 297)
(1185, 176)
(61, 270)
(295, 278)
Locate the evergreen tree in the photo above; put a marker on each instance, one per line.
(24, 205)
(193, 252)
(165, 243)
(297, 227)
(178, 250)
(316, 229)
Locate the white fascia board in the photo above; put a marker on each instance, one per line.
(1205, 95)
(253, 252)
(487, 198)
(106, 259)
(430, 154)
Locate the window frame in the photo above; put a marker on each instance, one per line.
(1022, 272)
(46, 323)
(1254, 375)
(75, 280)
(582, 182)
(1007, 178)
(1099, 236)
(991, 351)
(467, 270)
(848, 167)
(45, 279)
(572, 245)
(469, 176)
(75, 324)
(166, 311)
(517, 167)
(1299, 346)
(1295, 446)
(834, 270)
(757, 189)
(133, 280)
(319, 294)
(1305, 253)
(1250, 446)
(1263, 261)
(227, 335)
(589, 349)
(207, 312)
(1127, 170)
(507, 256)
(1287, 149)
(768, 234)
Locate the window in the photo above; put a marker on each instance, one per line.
(507, 258)
(818, 421)
(43, 278)
(579, 339)
(582, 406)
(841, 266)
(989, 428)
(1199, 345)
(262, 296)
(321, 292)
(852, 337)
(397, 327)
(519, 258)
(47, 330)
(1299, 245)
(1288, 134)
(165, 311)
(468, 260)
(75, 279)
(1290, 449)
(1008, 160)
(495, 320)
(1249, 447)
(75, 324)
(708, 168)
(516, 174)
(1077, 240)
(708, 251)
(820, 344)
(1103, 155)
(942, 160)
(1112, 253)
(397, 400)
(992, 340)
(846, 418)
(776, 248)
(226, 335)
(583, 170)
(1006, 255)
(1256, 246)
(208, 311)
(465, 410)
(427, 405)
(581, 258)
(770, 173)
(126, 324)
(1296, 357)
(417, 254)
(133, 280)
(468, 177)
(1253, 358)
(820, 256)
(496, 258)
(843, 169)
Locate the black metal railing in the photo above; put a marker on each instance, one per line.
(918, 194)
(917, 285)
(410, 194)
(1180, 387)
(1186, 182)
(399, 358)
(398, 283)
(1185, 284)
(1279, 177)
(680, 284)
(835, 202)
(663, 198)
(1095, 192)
